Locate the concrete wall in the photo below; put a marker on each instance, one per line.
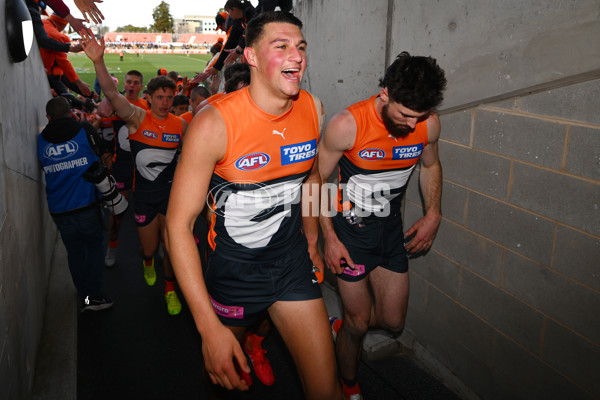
(506, 303)
(27, 234)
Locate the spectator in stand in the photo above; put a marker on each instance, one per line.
(44, 42)
(239, 10)
(56, 62)
(214, 81)
(59, 8)
(235, 28)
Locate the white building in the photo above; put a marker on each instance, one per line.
(199, 24)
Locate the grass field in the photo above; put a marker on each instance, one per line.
(147, 64)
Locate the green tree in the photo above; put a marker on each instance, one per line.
(163, 21)
(131, 28)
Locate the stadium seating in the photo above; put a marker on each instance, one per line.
(129, 37)
(198, 39)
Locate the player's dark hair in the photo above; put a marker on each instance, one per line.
(137, 73)
(58, 107)
(173, 75)
(159, 82)
(415, 82)
(256, 26)
(236, 68)
(200, 91)
(180, 99)
(231, 85)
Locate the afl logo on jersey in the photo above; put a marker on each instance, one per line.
(371, 154)
(150, 134)
(60, 151)
(253, 161)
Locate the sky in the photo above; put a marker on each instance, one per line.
(139, 12)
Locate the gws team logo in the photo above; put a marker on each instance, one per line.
(253, 161)
(252, 213)
(407, 152)
(242, 195)
(298, 152)
(150, 134)
(60, 151)
(371, 154)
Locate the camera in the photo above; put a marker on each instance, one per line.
(98, 174)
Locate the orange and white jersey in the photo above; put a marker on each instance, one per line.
(154, 148)
(256, 188)
(375, 171)
(121, 132)
(187, 117)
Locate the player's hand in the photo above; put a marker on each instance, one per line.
(84, 87)
(107, 159)
(89, 9)
(185, 84)
(220, 349)
(76, 48)
(232, 57)
(76, 23)
(93, 49)
(211, 71)
(335, 252)
(77, 115)
(422, 232)
(201, 77)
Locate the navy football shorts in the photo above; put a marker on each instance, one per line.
(241, 292)
(149, 204)
(377, 243)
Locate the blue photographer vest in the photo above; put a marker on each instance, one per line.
(64, 164)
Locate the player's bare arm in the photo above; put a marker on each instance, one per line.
(205, 145)
(122, 107)
(339, 136)
(184, 128)
(430, 180)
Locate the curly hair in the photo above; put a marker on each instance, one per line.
(415, 82)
